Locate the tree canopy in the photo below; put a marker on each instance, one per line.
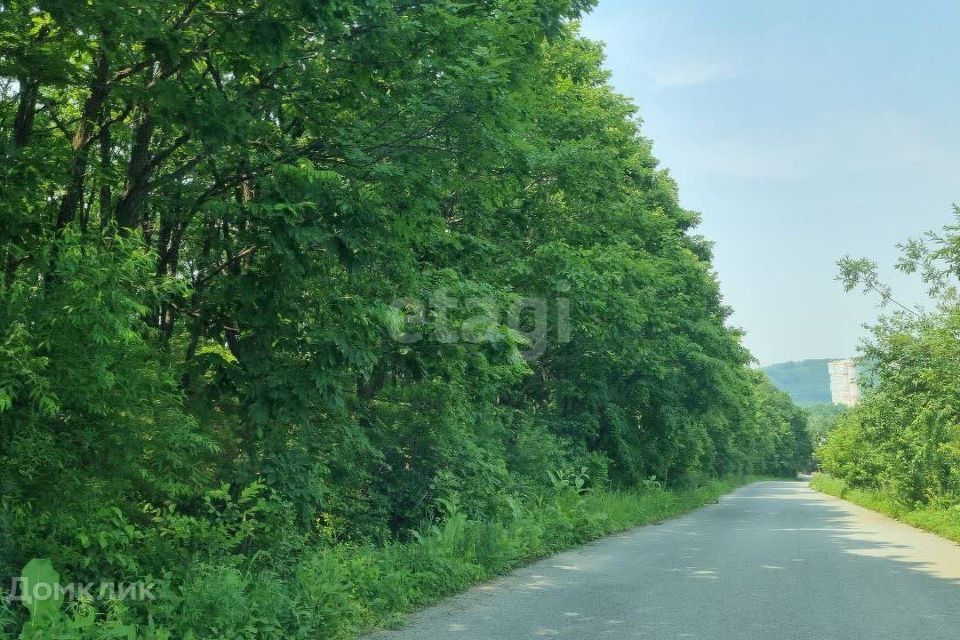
(291, 273)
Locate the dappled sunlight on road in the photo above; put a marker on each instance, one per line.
(864, 533)
(870, 535)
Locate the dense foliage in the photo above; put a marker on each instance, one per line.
(293, 276)
(903, 440)
(822, 419)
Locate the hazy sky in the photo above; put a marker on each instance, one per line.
(802, 131)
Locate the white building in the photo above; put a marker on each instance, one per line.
(844, 388)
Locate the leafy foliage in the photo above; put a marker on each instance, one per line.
(903, 441)
(822, 419)
(294, 278)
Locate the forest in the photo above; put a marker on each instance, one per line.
(900, 448)
(312, 312)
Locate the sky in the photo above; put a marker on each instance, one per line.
(802, 132)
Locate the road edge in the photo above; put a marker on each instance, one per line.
(939, 522)
(679, 509)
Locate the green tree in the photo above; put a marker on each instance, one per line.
(292, 274)
(904, 438)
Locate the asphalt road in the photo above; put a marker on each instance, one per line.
(772, 561)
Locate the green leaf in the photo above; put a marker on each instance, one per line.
(41, 594)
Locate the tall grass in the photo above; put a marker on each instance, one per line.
(375, 586)
(343, 591)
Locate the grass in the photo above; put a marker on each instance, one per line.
(943, 522)
(344, 591)
(384, 583)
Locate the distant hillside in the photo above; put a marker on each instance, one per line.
(807, 381)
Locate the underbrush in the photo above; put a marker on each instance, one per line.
(941, 521)
(343, 591)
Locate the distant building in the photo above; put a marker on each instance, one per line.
(844, 388)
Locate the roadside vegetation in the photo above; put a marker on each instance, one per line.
(899, 450)
(341, 591)
(313, 312)
(822, 418)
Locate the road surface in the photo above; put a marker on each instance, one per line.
(772, 561)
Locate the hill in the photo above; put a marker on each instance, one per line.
(807, 382)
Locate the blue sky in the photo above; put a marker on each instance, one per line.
(802, 131)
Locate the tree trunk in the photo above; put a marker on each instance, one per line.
(128, 207)
(77, 168)
(26, 110)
